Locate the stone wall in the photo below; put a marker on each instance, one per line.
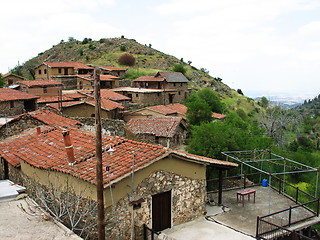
(16, 127)
(112, 127)
(6, 109)
(187, 203)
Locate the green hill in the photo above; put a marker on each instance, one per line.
(107, 51)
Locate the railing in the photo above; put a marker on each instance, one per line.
(148, 232)
(276, 224)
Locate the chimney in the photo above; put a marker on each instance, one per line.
(68, 146)
(38, 130)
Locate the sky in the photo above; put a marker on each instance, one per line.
(263, 47)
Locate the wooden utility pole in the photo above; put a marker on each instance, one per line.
(99, 174)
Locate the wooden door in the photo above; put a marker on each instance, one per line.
(161, 211)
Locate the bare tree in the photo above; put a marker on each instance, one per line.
(68, 206)
(277, 121)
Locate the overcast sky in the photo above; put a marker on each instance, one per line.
(259, 46)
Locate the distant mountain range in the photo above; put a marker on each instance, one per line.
(287, 101)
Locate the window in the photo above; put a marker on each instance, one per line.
(59, 70)
(24, 89)
(45, 90)
(11, 104)
(156, 140)
(174, 84)
(39, 71)
(137, 95)
(179, 93)
(45, 71)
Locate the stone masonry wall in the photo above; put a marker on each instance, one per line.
(16, 127)
(188, 203)
(112, 127)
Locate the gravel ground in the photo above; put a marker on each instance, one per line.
(15, 223)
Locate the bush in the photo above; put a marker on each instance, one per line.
(123, 48)
(127, 60)
(85, 41)
(91, 46)
(179, 68)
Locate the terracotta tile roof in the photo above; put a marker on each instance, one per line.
(107, 77)
(169, 109)
(64, 104)
(142, 90)
(47, 151)
(106, 104)
(218, 115)
(7, 94)
(106, 94)
(50, 118)
(11, 74)
(75, 65)
(113, 68)
(158, 126)
(49, 99)
(149, 79)
(36, 83)
(73, 95)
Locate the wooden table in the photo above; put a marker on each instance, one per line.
(245, 192)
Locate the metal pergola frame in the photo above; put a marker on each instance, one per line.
(254, 158)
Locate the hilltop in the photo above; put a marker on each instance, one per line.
(106, 52)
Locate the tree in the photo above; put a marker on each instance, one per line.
(127, 59)
(210, 139)
(276, 121)
(264, 102)
(179, 68)
(198, 112)
(210, 97)
(239, 91)
(2, 82)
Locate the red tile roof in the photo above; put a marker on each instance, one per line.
(47, 151)
(107, 77)
(169, 109)
(113, 68)
(7, 94)
(75, 65)
(218, 115)
(36, 83)
(103, 77)
(149, 79)
(158, 126)
(106, 94)
(49, 99)
(49, 118)
(64, 104)
(106, 104)
(11, 74)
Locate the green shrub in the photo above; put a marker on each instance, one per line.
(123, 48)
(179, 68)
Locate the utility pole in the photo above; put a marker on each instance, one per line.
(99, 174)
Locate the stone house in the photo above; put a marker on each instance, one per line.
(166, 80)
(166, 131)
(106, 81)
(146, 96)
(170, 110)
(143, 183)
(14, 102)
(41, 117)
(115, 71)
(86, 108)
(40, 87)
(63, 72)
(12, 79)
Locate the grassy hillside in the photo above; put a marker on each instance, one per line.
(106, 52)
